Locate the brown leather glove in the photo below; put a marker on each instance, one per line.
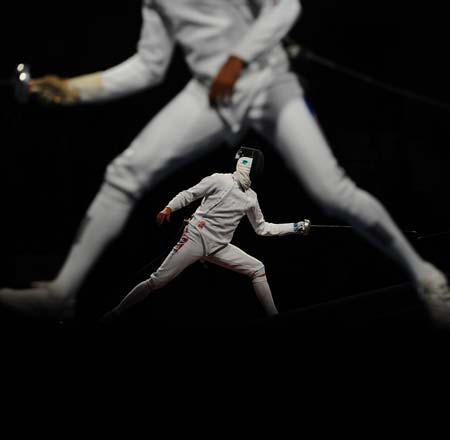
(52, 89)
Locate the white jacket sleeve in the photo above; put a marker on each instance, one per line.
(275, 19)
(262, 227)
(146, 68)
(184, 198)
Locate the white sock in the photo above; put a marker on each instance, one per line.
(376, 225)
(264, 295)
(104, 220)
(136, 295)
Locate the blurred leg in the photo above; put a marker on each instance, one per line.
(300, 141)
(186, 128)
(295, 132)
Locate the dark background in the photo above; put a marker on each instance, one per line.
(53, 159)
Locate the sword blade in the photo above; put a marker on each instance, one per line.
(331, 226)
(350, 227)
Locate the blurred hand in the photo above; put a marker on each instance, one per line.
(52, 89)
(164, 216)
(223, 84)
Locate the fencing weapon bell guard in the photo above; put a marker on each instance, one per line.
(20, 83)
(303, 227)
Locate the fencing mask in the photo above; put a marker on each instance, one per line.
(249, 166)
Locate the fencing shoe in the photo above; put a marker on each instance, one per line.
(434, 291)
(41, 301)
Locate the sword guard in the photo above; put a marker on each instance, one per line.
(303, 227)
(21, 83)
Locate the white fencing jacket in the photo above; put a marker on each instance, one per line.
(208, 32)
(223, 206)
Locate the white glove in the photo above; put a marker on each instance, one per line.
(302, 227)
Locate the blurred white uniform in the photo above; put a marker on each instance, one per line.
(208, 32)
(267, 98)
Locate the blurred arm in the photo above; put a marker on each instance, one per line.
(144, 69)
(147, 67)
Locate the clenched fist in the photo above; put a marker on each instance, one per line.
(164, 215)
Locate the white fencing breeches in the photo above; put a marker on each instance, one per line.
(190, 249)
(181, 132)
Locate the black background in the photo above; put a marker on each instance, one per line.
(53, 159)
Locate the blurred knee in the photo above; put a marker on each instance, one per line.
(133, 172)
(123, 175)
(156, 282)
(259, 274)
(110, 198)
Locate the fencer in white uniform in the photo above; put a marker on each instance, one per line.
(240, 80)
(227, 198)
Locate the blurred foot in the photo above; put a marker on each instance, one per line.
(434, 291)
(41, 301)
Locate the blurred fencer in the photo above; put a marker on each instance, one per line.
(226, 199)
(241, 80)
